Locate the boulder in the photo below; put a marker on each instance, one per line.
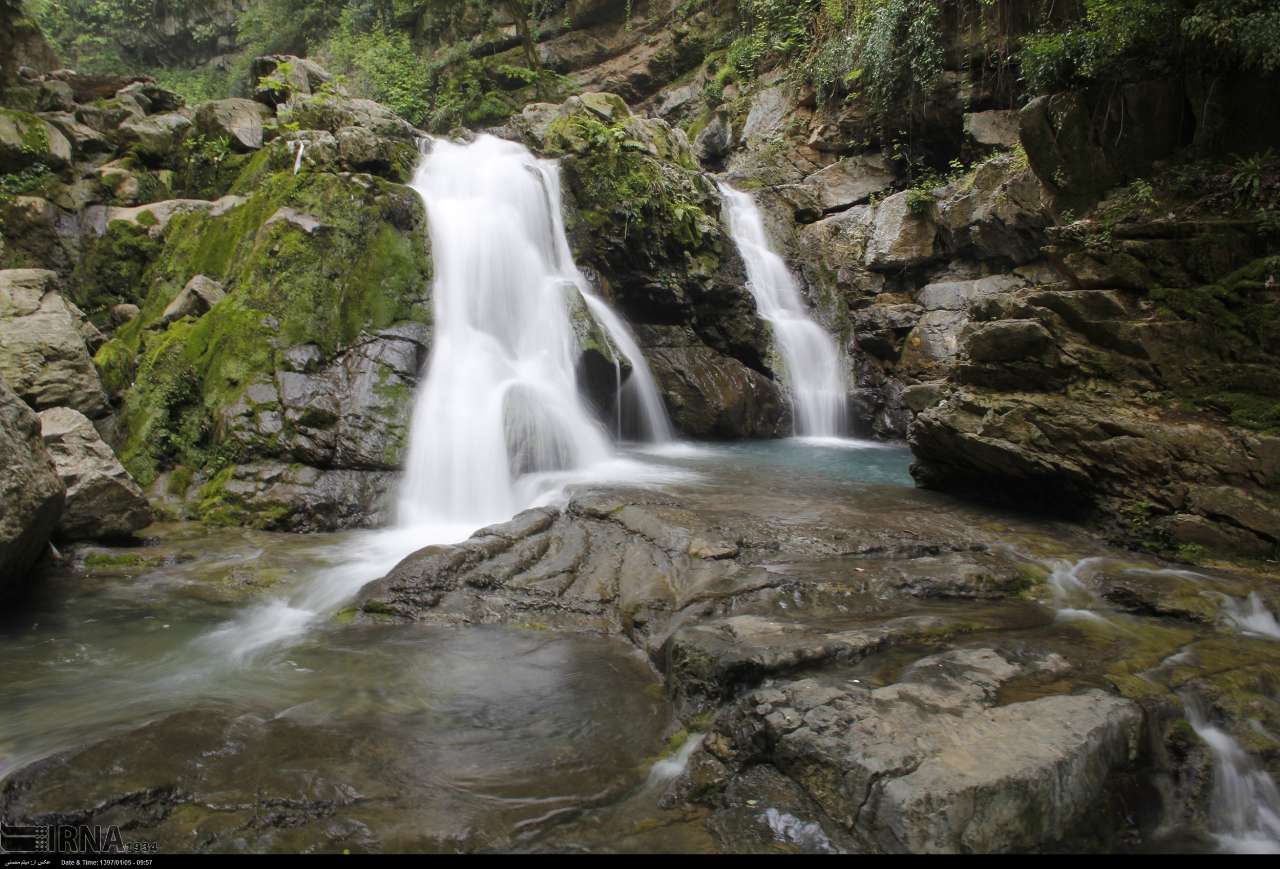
(26, 139)
(155, 136)
(995, 129)
(715, 140)
(332, 113)
(103, 501)
(107, 115)
(43, 352)
(31, 494)
(851, 181)
(85, 140)
(237, 119)
(278, 78)
(1054, 131)
(931, 764)
(197, 297)
(900, 238)
(123, 313)
(711, 395)
(24, 46)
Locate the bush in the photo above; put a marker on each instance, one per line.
(383, 64)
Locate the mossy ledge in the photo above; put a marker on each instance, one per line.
(316, 258)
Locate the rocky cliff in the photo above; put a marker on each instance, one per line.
(1035, 292)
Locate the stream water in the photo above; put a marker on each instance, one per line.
(180, 659)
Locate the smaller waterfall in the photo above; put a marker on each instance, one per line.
(812, 361)
(1244, 812)
(1251, 616)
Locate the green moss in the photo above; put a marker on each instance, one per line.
(112, 270)
(116, 360)
(34, 138)
(640, 205)
(106, 559)
(358, 263)
(179, 481)
(1230, 307)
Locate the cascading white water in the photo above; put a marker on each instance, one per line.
(814, 371)
(498, 421)
(1244, 809)
(499, 408)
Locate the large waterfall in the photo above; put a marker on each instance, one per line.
(810, 357)
(500, 411)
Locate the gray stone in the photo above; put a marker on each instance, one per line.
(155, 136)
(851, 180)
(43, 354)
(287, 76)
(103, 501)
(26, 139)
(992, 129)
(769, 107)
(1006, 340)
(899, 238)
(123, 313)
(31, 494)
(199, 295)
(238, 119)
(715, 140)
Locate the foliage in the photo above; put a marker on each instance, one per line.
(644, 207)
(381, 63)
(29, 179)
(1116, 38)
(111, 270)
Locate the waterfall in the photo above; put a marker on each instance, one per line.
(1244, 809)
(810, 357)
(499, 410)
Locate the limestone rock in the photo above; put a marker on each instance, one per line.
(123, 313)
(43, 354)
(155, 136)
(996, 128)
(286, 76)
(238, 119)
(332, 113)
(31, 494)
(851, 181)
(103, 501)
(710, 395)
(1055, 134)
(715, 140)
(350, 413)
(1006, 340)
(26, 139)
(899, 238)
(931, 764)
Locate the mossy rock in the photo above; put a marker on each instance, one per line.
(638, 191)
(315, 258)
(112, 268)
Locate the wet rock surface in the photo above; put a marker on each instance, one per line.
(103, 502)
(907, 675)
(31, 491)
(43, 351)
(866, 667)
